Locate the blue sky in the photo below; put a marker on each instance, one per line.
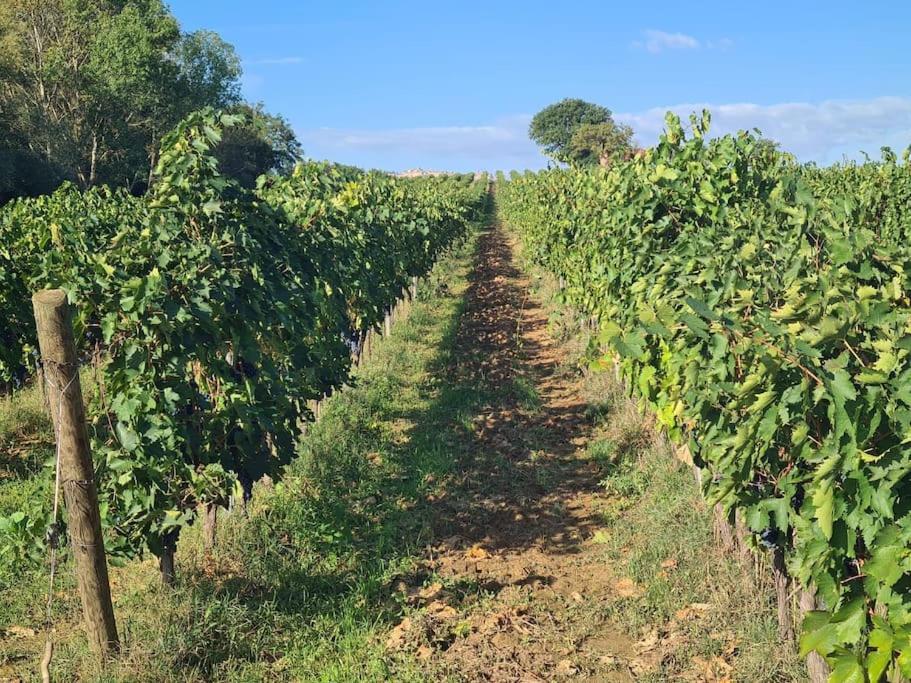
(452, 85)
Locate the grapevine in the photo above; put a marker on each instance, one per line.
(215, 314)
(761, 310)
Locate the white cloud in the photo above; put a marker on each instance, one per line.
(658, 41)
(720, 44)
(274, 61)
(501, 144)
(822, 132)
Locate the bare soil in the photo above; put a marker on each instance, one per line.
(516, 589)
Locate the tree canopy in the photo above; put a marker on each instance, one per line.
(599, 143)
(88, 87)
(552, 128)
(577, 132)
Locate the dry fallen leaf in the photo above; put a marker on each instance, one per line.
(476, 552)
(626, 588)
(430, 592)
(441, 610)
(691, 611)
(396, 638)
(712, 670)
(565, 667)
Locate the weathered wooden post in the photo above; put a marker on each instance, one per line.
(166, 564)
(210, 524)
(64, 393)
(817, 669)
(782, 594)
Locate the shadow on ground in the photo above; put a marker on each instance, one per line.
(453, 460)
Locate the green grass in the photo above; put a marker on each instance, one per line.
(658, 532)
(526, 394)
(27, 445)
(660, 536)
(26, 437)
(299, 586)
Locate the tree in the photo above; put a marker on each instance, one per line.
(79, 75)
(204, 72)
(87, 88)
(599, 143)
(209, 71)
(553, 127)
(263, 143)
(133, 79)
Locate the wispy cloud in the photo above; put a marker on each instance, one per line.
(720, 44)
(503, 143)
(659, 41)
(274, 61)
(822, 132)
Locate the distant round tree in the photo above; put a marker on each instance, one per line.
(553, 127)
(600, 143)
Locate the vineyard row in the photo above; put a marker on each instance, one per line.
(761, 309)
(212, 317)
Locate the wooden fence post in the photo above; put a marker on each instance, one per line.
(817, 669)
(64, 393)
(210, 525)
(783, 598)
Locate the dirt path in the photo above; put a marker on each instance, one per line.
(518, 590)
